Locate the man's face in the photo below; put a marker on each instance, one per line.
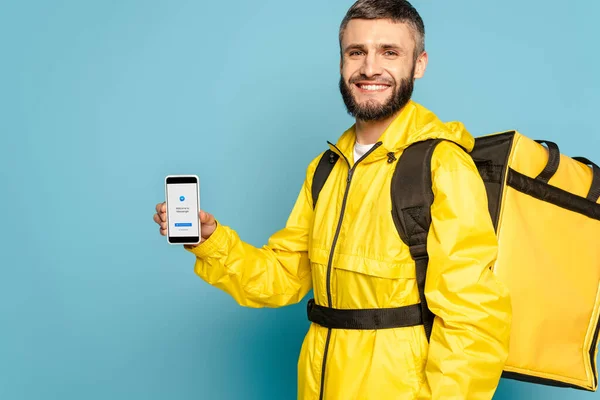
(378, 68)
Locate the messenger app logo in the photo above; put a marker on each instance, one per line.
(182, 198)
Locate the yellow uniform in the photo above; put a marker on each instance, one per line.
(348, 250)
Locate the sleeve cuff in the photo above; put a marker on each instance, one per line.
(212, 245)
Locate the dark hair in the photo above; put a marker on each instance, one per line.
(396, 10)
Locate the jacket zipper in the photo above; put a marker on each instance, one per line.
(335, 238)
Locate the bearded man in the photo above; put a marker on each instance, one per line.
(346, 247)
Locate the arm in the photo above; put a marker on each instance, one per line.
(471, 330)
(275, 275)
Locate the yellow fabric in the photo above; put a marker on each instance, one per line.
(372, 268)
(549, 259)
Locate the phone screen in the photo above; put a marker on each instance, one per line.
(182, 209)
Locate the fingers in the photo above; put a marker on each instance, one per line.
(161, 212)
(162, 224)
(161, 218)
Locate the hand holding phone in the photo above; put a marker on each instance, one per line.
(208, 224)
(206, 221)
(183, 209)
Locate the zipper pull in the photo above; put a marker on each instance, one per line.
(350, 172)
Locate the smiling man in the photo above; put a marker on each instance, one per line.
(369, 338)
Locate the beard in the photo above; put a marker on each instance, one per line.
(372, 110)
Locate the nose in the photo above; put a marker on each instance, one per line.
(370, 66)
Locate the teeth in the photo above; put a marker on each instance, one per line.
(373, 87)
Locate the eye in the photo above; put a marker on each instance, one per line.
(355, 53)
(390, 53)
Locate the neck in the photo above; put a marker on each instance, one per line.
(369, 132)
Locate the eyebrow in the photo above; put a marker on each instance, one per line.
(382, 46)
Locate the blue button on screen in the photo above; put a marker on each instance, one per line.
(181, 198)
(183, 224)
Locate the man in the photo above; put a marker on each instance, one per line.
(347, 248)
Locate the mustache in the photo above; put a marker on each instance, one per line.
(363, 78)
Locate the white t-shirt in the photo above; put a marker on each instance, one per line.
(361, 149)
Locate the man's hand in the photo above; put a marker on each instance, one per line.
(207, 222)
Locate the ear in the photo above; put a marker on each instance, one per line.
(421, 65)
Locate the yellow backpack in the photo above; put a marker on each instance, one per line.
(545, 209)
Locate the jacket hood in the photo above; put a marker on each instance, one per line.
(415, 123)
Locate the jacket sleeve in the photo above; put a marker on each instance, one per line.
(275, 275)
(471, 331)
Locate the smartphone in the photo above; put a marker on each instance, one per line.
(183, 204)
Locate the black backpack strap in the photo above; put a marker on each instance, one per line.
(594, 192)
(553, 161)
(412, 197)
(326, 164)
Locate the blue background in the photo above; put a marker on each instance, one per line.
(100, 100)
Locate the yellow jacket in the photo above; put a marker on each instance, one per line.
(372, 268)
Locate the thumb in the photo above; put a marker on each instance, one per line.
(206, 218)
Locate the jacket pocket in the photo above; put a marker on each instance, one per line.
(359, 282)
(375, 268)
